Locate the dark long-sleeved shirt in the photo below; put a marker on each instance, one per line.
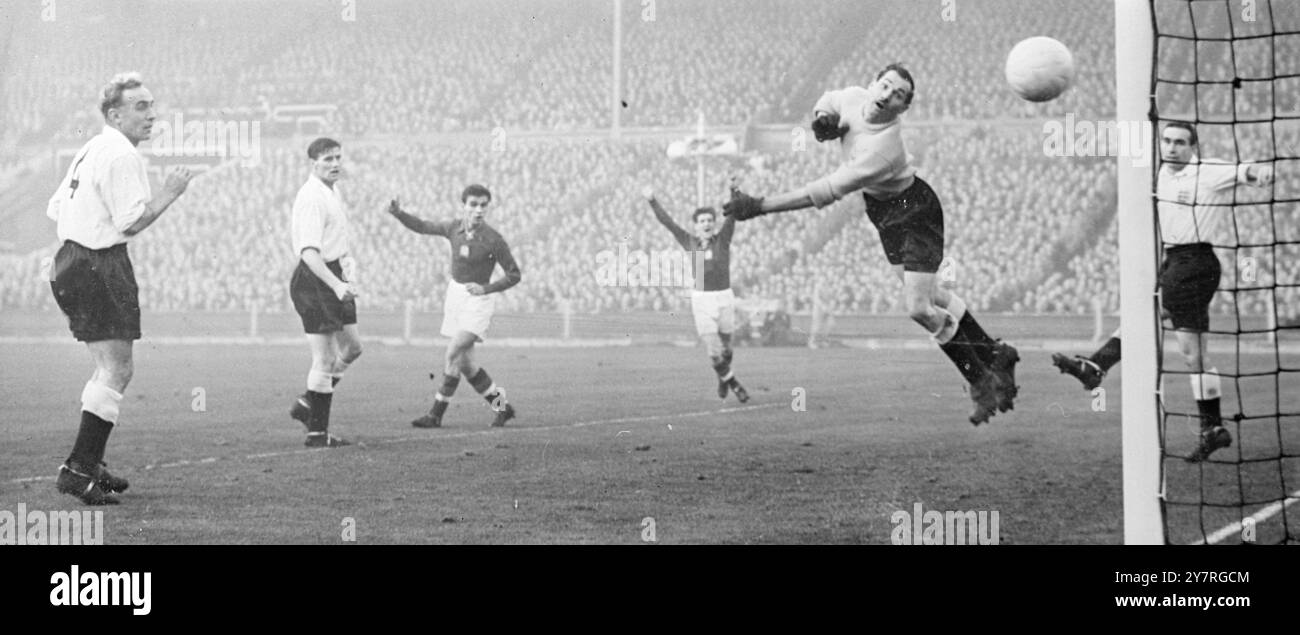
(473, 256)
(714, 253)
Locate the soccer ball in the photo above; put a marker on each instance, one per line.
(1040, 69)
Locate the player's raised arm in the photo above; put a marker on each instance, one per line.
(131, 213)
(415, 223)
(682, 236)
(826, 117)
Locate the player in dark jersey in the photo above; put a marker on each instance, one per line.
(476, 250)
(909, 218)
(712, 301)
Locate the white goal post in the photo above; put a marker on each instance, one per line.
(1134, 54)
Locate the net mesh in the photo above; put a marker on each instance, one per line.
(1231, 69)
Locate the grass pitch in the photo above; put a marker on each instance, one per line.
(609, 443)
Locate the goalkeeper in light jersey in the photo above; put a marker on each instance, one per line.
(909, 218)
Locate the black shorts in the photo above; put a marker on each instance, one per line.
(910, 227)
(96, 289)
(321, 311)
(1189, 278)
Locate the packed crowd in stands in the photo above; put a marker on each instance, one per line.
(562, 203)
(1027, 233)
(960, 73)
(401, 67)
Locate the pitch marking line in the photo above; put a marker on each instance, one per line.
(454, 435)
(1258, 517)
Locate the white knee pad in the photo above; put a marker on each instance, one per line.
(1206, 385)
(318, 381)
(101, 401)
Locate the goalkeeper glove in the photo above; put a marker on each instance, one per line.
(827, 127)
(743, 206)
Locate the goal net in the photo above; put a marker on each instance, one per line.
(1231, 70)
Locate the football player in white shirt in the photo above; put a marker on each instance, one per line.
(321, 290)
(1194, 201)
(909, 218)
(102, 202)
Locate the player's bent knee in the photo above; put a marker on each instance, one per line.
(323, 364)
(119, 374)
(921, 315)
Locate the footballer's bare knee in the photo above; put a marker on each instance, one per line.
(922, 312)
(119, 374)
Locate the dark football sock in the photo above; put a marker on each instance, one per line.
(449, 385)
(1107, 355)
(320, 411)
(482, 383)
(439, 407)
(965, 358)
(1210, 416)
(970, 332)
(92, 438)
(721, 366)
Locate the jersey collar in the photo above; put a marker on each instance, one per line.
(116, 137)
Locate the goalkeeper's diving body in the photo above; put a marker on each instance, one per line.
(712, 301)
(909, 218)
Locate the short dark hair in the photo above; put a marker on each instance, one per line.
(475, 190)
(704, 210)
(1183, 125)
(897, 67)
(321, 146)
(112, 94)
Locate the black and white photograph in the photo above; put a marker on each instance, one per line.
(891, 273)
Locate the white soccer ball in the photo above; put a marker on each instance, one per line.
(1040, 69)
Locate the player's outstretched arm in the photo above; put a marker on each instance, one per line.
(414, 223)
(1259, 175)
(742, 206)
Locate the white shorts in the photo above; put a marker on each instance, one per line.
(464, 312)
(715, 311)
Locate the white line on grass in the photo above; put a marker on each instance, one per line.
(1258, 517)
(455, 435)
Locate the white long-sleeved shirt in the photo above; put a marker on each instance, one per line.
(875, 159)
(103, 194)
(1195, 203)
(319, 220)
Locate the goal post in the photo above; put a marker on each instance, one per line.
(1134, 55)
